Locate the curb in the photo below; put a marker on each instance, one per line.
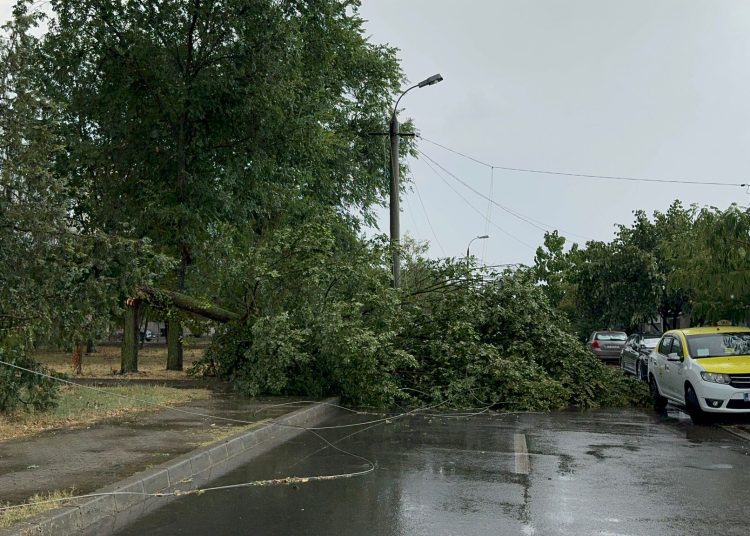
(108, 514)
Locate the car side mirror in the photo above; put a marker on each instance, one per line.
(674, 357)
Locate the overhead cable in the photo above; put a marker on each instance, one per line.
(475, 209)
(585, 175)
(534, 223)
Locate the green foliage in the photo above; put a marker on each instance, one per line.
(322, 319)
(714, 262)
(625, 283)
(320, 316)
(502, 342)
(20, 388)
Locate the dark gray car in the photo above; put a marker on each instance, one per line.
(607, 345)
(634, 356)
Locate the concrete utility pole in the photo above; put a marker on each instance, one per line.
(395, 186)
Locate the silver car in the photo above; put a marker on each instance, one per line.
(607, 345)
(634, 356)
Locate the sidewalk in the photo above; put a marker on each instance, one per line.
(88, 459)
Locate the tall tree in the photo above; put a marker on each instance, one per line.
(716, 265)
(184, 114)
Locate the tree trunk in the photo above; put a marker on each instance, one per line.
(174, 345)
(129, 357)
(77, 360)
(168, 298)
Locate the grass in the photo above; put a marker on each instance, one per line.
(79, 407)
(105, 362)
(39, 503)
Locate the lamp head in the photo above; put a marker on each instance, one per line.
(434, 79)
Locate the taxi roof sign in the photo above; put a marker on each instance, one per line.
(724, 323)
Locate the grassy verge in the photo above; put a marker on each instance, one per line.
(37, 504)
(79, 407)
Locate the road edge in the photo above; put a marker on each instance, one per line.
(106, 514)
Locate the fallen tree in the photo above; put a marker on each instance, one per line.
(166, 300)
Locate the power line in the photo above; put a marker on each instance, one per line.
(515, 214)
(427, 217)
(584, 175)
(475, 209)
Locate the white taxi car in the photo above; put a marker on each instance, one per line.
(705, 370)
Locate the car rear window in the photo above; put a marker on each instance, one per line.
(611, 337)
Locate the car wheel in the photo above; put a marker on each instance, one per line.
(693, 406)
(659, 401)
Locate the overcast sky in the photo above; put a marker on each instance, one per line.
(642, 88)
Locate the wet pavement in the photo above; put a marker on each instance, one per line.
(93, 457)
(614, 472)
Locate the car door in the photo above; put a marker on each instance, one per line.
(659, 364)
(629, 354)
(675, 370)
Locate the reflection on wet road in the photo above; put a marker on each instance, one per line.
(593, 473)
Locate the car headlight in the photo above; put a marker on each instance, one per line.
(716, 378)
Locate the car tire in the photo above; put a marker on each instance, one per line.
(659, 401)
(693, 406)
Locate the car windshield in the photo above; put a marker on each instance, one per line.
(611, 336)
(718, 344)
(650, 343)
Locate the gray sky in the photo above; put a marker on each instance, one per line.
(642, 88)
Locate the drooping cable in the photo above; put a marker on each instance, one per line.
(586, 175)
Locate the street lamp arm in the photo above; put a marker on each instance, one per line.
(434, 79)
(395, 107)
(468, 248)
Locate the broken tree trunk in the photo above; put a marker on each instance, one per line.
(178, 300)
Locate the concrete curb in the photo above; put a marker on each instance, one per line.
(107, 514)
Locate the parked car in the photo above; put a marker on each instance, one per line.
(607, 345)
(634, 355)
(147, 336)
(704, 370)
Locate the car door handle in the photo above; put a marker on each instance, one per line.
(666, 366)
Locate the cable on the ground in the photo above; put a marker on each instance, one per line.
(256, 483)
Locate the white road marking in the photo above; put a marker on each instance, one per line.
(521, 454)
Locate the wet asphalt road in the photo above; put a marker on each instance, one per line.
(594, 473)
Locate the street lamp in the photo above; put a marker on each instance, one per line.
(395, 209)
(483, 237)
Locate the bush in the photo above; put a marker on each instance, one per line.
(23, 389)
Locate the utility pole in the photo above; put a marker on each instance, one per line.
(393, 132)
(395, 202)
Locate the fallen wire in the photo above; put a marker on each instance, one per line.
(255, 483)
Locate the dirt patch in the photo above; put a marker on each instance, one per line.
(105, 361)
